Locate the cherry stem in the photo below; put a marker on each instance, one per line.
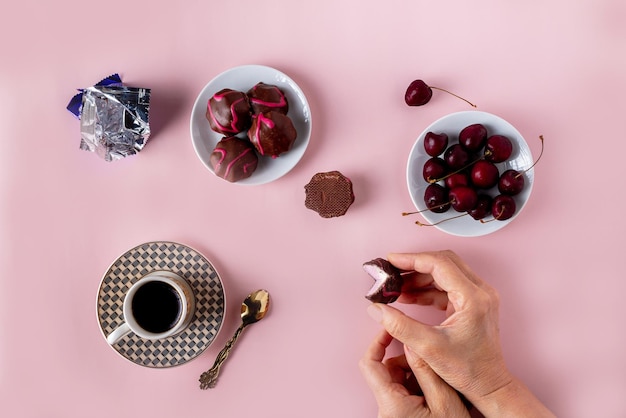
(537, 160)
(495, 218)
(427, 209)
(482, 157)
(441, 221)
(455, 95)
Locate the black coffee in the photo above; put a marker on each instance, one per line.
(156, 307)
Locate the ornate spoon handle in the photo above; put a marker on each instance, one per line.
(208, 379)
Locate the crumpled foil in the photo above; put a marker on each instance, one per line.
(114, 119)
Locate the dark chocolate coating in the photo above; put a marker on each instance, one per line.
(233, 159)
(229, 112)
(272, 133)
(267, 97)
(329, 194)
(388, 281)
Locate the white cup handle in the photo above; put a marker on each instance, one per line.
(118, 333)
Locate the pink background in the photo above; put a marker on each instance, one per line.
(553, 68)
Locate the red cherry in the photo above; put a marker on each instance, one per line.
(436, 198)
(503, 207)
(511, 182)
(483, 207)
(484, 174)
(473, 137)
(434, 169)
(435, 144)
(463, 198)
(498, 148)
(456, 179)
(419, 93)
(456, 157)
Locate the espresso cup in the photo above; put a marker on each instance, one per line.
(159, 305)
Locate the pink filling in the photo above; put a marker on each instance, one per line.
(380, 281)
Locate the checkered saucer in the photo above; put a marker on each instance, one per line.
(190, 265)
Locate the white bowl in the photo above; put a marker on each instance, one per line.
(452, 124)
(243, 78)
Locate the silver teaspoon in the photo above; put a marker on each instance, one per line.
(253, 309)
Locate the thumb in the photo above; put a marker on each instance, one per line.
(440, 398)
(403, 328)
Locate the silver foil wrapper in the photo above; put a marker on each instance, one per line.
(114, 121)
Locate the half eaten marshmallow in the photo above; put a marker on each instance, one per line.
(387, 281)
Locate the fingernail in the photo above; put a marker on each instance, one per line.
(375, 312)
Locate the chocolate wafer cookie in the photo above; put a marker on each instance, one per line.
(329, 194)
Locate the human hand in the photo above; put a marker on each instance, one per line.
(464, 350)
(405, 386)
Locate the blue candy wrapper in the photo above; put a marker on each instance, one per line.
(76, 103)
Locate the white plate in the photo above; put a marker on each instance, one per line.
(243, 78)
(452, 124)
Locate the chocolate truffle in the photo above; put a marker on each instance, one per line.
(387, 281)
(233, 159)
(229, 112)
(267, 97)
(272, 133)
(329, 194)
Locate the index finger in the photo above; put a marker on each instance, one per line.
(442, 266)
